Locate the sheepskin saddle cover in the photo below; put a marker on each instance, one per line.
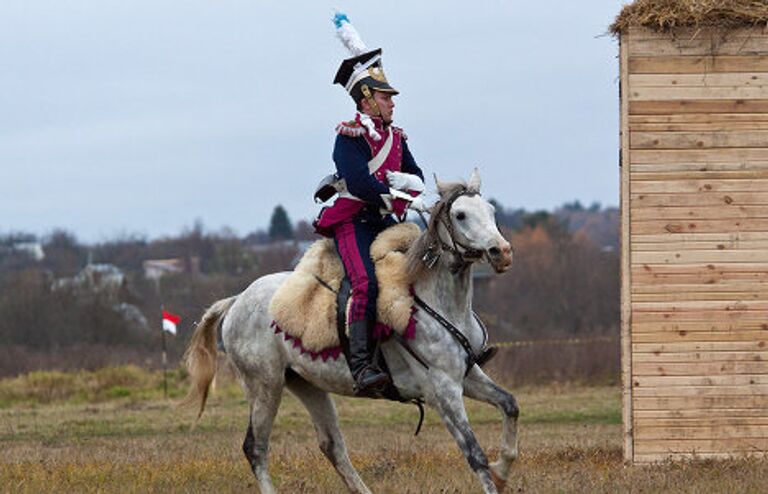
(306, 310)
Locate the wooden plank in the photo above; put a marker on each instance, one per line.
(699, 335)
(736, 287)
(731, 238)
(696, 198)
(718, 271)
(721, 80)
(652, 274)
(701, 331)
(697, 64)
(698, 369)
(720, 211)
(672, 295)
(693, 357)
(690, 245)
(699, 402)
(700, 391)
(674, 93)
(698, 127)
(699, 118)
(690, 186)
(729, 155)
(739, 166)
(713, 431)
(626, 270)
(713, 421)
(647, 275)
(685, 381)
(660, 176)
(704, 226)
(651, 458)
(699, 316)
(700, 346)
(684, 256)
(698, 446)
(724, 138)
(733, 412)
(706, 43)
(665, 107)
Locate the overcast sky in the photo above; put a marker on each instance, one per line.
(141, 116)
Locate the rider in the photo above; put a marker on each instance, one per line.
(376, 178)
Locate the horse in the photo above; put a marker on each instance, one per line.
(433, 366)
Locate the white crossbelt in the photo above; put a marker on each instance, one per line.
(373, 167)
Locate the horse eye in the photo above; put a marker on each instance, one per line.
(461, 216)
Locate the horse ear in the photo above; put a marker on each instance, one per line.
(442, 187)
(474, 181)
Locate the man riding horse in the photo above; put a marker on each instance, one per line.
(376, 179)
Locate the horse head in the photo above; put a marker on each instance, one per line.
(462, 224)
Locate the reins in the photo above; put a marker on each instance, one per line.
(468, 256)
(462, 258)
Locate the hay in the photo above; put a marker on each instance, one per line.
(664, 15)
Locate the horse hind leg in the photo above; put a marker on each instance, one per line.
(480, 387)
(265, 400)
(323, 412)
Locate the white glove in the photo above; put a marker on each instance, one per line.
(417, 204)
(405, 181)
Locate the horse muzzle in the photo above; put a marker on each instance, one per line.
(500, 257)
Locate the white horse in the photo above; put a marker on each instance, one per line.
(461, 231)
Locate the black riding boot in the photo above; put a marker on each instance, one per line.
(368, 377)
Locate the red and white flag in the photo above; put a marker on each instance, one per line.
(170, 321)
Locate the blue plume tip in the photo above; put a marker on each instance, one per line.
(340, 18)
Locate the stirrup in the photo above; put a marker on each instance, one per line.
(379, 379)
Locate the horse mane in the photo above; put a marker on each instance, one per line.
(415, 265)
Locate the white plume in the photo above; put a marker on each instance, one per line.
(348, 34)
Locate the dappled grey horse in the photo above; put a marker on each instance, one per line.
(461, 231)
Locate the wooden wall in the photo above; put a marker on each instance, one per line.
(694, 118)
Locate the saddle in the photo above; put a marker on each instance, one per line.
(304, 307)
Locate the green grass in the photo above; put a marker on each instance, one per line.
(120, 436)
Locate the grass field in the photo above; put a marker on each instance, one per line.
(126, 438)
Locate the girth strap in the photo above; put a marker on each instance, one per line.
(471, 358)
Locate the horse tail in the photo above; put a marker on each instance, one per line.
(201, 355)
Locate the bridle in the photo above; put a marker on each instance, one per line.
(463, 254)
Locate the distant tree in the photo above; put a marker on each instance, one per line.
(279, 225)
(573, 206)
(64, 255)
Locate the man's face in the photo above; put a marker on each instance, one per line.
(386, 105)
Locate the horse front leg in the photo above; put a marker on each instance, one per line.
(446, 398)
(478, 386)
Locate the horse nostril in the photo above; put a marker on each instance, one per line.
(494, 251)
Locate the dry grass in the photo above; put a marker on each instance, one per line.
(570, 442)
(668, 14)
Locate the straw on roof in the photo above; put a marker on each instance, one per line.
(663, 15)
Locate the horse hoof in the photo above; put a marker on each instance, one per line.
(498, 481)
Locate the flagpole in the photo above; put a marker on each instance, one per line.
(162, 338)
(165, 353)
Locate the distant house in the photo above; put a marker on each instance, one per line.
(95, 278)
(32, 249)
(154, 269)
(107, 281)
